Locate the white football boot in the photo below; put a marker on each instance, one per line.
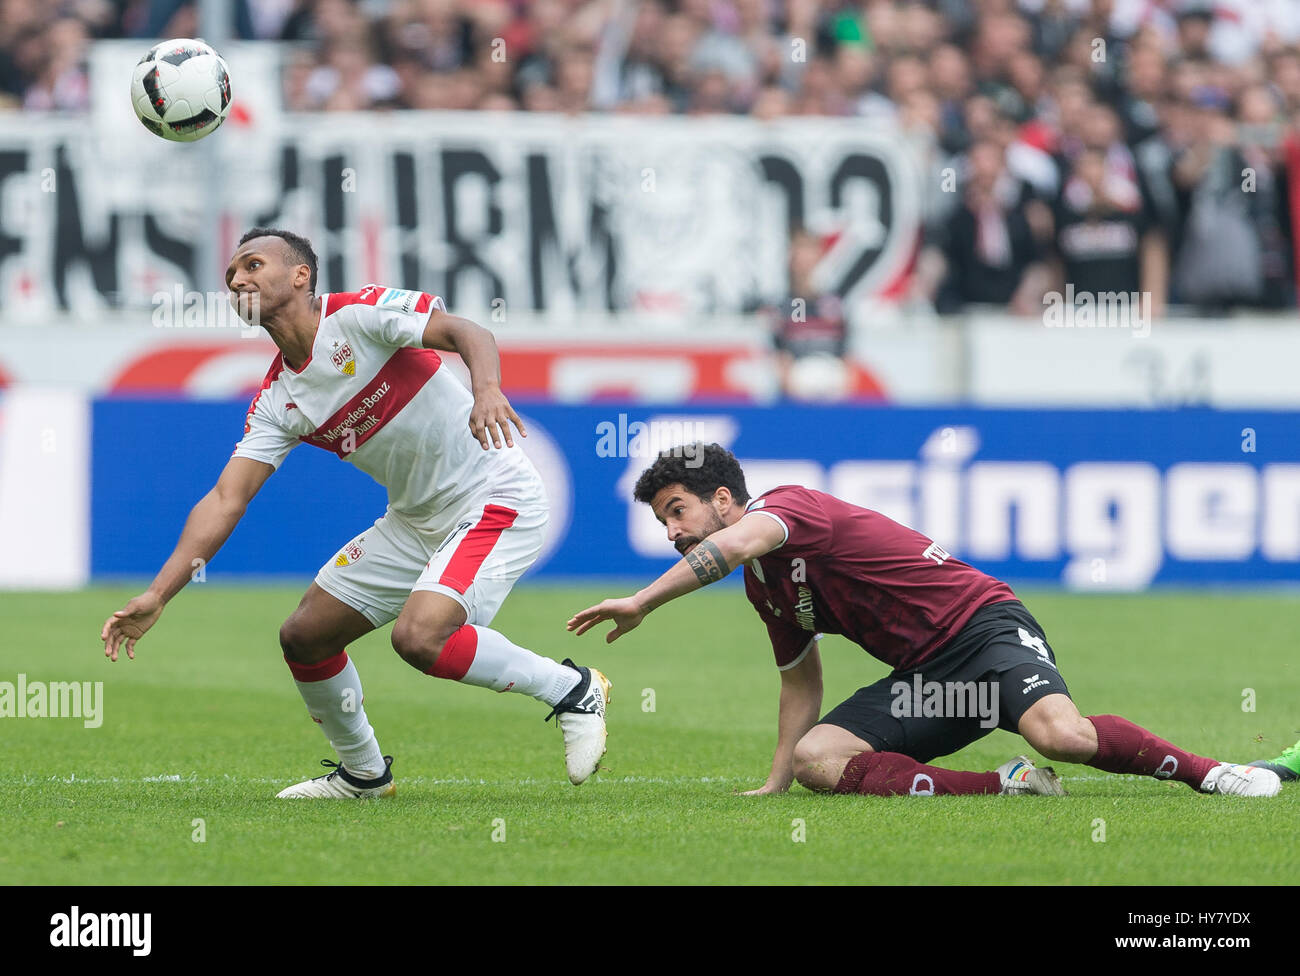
(581, 716)
(342, 785)
(1234, 780)
(1020, 778)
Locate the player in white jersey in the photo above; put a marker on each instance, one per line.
(357, 375)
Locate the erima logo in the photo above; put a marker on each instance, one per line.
(922, 785)
(1167, 768)
(1032, 682)
(74, 930)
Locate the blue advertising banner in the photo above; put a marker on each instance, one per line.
(1082, 498)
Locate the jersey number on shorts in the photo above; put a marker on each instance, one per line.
(455, 532)
(1037, 645)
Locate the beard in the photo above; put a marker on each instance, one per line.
(688, 542)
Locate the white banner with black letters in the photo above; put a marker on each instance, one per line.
(543, 213)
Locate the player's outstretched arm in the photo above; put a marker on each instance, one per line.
(711, 560)
(206, 530)
(491, 415)
(801, 703)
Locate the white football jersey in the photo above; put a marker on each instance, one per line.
(372, 394)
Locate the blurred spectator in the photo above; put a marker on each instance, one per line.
(179, 18)
(985, 252)
(349, 79)
(1233, 250)
(809, 332)
(1138, 104)
(950, 81)
(60, 83)
(1104, 237)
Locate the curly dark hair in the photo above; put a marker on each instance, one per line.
(700, 468)
(299, 247)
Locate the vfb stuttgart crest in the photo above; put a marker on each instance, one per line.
(343, 361)
(350, 554)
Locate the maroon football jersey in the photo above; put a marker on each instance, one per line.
(848, 570)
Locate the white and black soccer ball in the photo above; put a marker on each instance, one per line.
(181, 90)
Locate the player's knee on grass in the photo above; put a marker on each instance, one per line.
(821, 755)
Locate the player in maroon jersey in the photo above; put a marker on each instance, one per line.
(814, 565)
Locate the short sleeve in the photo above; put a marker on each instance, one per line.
(398, 316)
(789, 644)
(264, 440)
(807, 526)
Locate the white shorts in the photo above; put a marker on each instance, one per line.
(475, 564)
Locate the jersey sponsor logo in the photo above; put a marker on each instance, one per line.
(357, 413)
(349, 554)
(343, 359)
(400, 299)
(392, 388)
(803, 609)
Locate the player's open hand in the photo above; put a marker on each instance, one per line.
(626, 614)
(129, 624)
(766, 788)
(492, 416)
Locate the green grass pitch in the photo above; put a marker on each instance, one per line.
(200, 731)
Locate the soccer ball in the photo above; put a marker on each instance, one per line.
(181, 90)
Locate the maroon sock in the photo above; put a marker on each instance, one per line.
(1123, 747)
(893, 774)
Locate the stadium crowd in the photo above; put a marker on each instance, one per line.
(1126, 145)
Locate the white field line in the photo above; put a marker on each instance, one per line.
(28, 779)
(74, 780)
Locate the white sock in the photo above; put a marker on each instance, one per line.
(481, 656)
(335, 703)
